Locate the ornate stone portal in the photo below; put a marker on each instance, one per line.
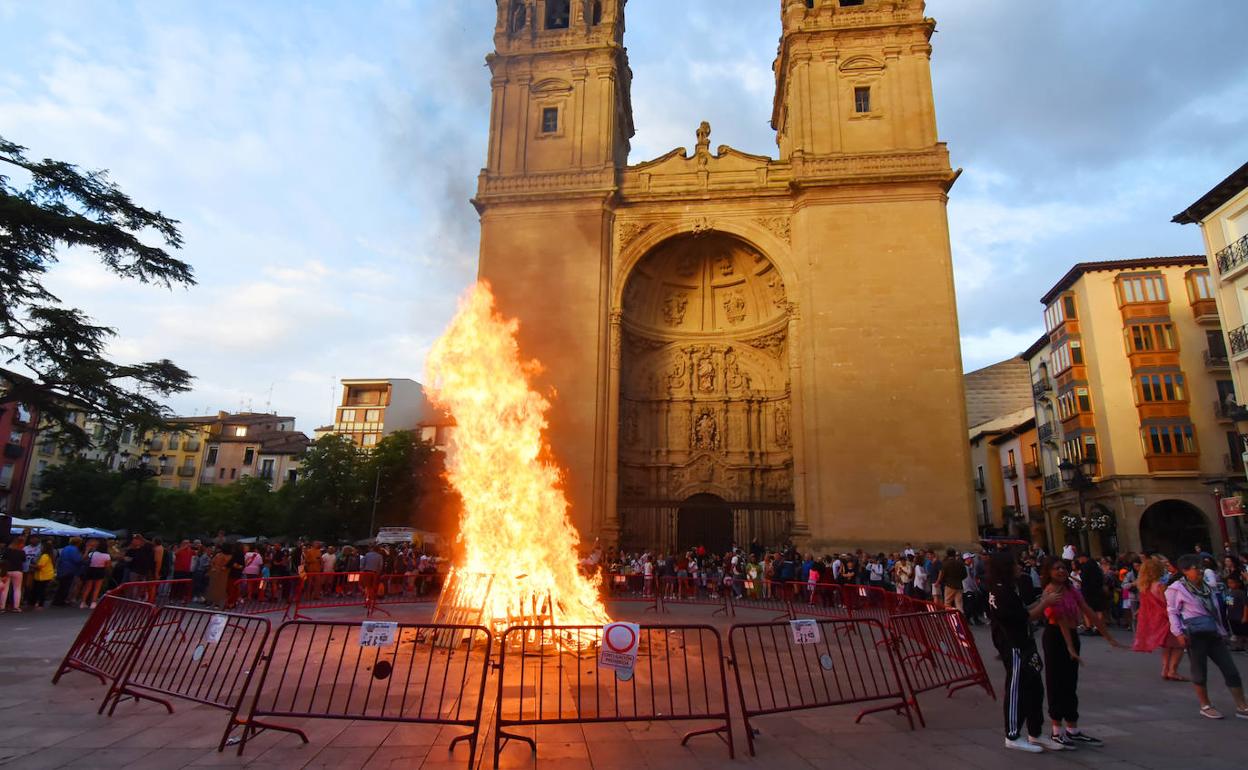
(704, 387)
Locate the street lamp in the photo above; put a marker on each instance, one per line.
(1079, 478)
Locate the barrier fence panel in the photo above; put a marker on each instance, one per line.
(767, 595)
(547, 675)
(197, 655)
(408, 589)
(632, 588)
(866, 602)
(689, 590)
(260, 596)
(335, 589)
(812, 663)
(112, 634)
(157, 592)
(936, 650)
(373, 671)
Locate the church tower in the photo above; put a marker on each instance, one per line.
(740, 347)
(560, 125)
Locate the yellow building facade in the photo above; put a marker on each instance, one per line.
(1132, 382)
(737, 342)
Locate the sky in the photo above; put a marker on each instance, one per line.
(320, 157)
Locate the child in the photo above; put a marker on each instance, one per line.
(1236, 602)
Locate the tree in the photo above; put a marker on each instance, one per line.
(62, 207)
(332, 495)
(79, 491)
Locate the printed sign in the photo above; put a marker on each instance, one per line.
(805, 631)
(378, 633)
(1232, 506)
(216, 627)
(619, 646)
(396, 535)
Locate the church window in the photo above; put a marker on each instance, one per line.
(597, 17)
(558, 14)
(519, 16)
(550, 120)
(862, 99)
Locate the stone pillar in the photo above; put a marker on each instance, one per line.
(609, 527)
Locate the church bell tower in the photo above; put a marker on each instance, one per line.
(560, 125)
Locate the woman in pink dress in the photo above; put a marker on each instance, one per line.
(1152, 626)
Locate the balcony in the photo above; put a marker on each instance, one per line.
(1010, 512)
(1046, 432)
(1009, 471)
(1239, 341)
(1225, 412)
(186, 471)
(1233, 463)
(1052, 482)
(1232, 257)
(978, 483)
(1215, 360)
(1040, 387)
(1032, 470)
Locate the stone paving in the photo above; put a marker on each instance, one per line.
(1146, 723)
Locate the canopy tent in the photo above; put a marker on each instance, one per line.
(56, 528)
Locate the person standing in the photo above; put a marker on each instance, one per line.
(1011, 620)
(1195, 612)
(98, 563)
(1061, 652)
(952, 575)
(1152, 628)
(12, 562)
(68, 569)
(41, 577)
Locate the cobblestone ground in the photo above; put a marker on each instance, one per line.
(1144, 722)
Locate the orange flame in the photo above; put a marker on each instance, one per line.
(515, 520)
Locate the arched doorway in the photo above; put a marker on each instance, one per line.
(706, 520)
(1173, 527)
(704, 400)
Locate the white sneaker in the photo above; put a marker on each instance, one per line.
(1022, 744)
(1046, 742)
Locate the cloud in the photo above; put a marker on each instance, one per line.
(996, 344)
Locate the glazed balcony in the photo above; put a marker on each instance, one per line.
(1052, 482)
(1233, 258)
(1046, 432)
(186, 471)
(1205, 311)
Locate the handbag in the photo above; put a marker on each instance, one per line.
(1200, 624)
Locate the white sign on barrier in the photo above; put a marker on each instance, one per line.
(805, 631)
(216, 627)
(378, 633)
(619, 646)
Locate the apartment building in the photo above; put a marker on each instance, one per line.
(1132, 393)
(17, 430)
(250, 444)
(373, 408)
(1006, 478)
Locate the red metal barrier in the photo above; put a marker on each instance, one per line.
(936, 650)
(335, 589)
(544, 679)
(632, 588)
(769, 596)
(197, 655)
(320, 670)
(157, 592)
(688, 590)
(775, 673)
(866, 602)
(260, 596)
(111, 636)
(408, 589)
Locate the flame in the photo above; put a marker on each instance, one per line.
(515, 523)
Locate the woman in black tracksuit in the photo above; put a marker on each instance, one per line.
(1011, 634)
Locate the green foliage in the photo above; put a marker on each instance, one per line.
(333, 499)
(62, 207)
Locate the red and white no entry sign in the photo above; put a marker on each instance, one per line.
(619, 646)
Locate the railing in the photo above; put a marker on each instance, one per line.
(1010, 512)
(1032, 470)
(1232, 462)
(191, 445)
(1238, 339)
(1052, 482)
(1040, 387)
(978, 483)
(1045, 432)
(1223, 410)
(1216, 360)
(1009, 471)
(1234, 255)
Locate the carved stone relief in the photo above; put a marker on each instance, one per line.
(705, 430)
(674, 308)
(783, 439)
(738, 379)
(775, 287)
(779, 226)
(734, 306)
(676, 375)
(704, 371)
(629, 231)
(724, 264)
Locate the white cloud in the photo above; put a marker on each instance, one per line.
(996, 344)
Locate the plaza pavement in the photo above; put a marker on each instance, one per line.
(1146, 723)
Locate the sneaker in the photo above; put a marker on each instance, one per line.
(92, 605)
(1063, 740)
(1052, 744)
(1209, 712)
(1082, 738)
(1022, 744)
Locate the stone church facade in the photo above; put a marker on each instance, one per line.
(740, 347)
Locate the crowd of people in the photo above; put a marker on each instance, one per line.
(77, 573)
